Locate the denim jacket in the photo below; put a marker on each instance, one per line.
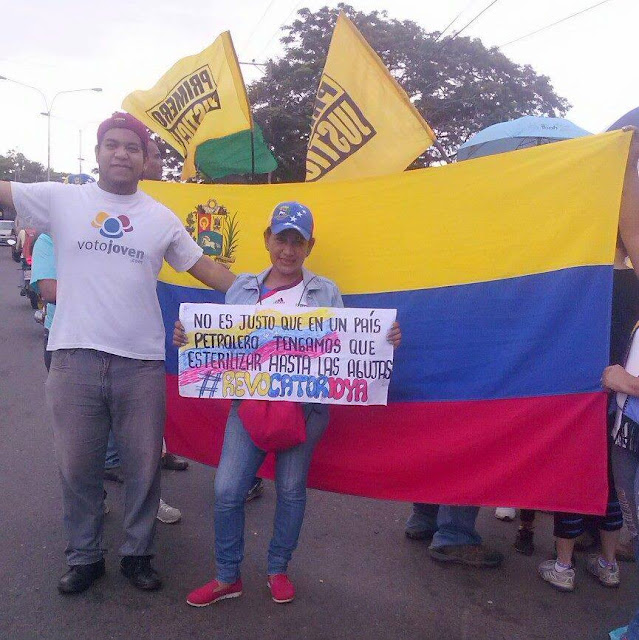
(318, 291)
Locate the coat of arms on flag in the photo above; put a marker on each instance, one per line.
(215, 230)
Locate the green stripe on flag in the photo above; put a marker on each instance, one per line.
(231, 154)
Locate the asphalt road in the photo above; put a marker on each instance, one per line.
(356, 574)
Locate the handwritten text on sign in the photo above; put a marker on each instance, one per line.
(298, 354)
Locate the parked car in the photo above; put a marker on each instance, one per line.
(7, 232)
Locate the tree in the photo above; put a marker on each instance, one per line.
(15, 166)
(171, 160)
(458, 84)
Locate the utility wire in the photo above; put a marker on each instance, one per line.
(548, 26)
(473, 20)
(257, 24)
(454, 20)
(292, 11)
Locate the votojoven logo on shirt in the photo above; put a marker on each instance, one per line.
(111, 226)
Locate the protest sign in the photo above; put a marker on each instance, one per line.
(298, 354)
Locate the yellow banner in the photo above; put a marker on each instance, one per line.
(514, 214)
(364, 124)
(201, 97)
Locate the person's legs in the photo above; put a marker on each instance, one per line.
(291, 472)
(76, 394)
(625, 466)
(609, 526)
(527, 518)
(172, 462)
(457, 540)
(609, 540)
(137, 405)
(422, 523)
(560, 573)
(256, 489)
(524, 538)
(47, 354)
(603, 566)
(456, 526)
(112, 458)
(239, 462)
(565, 549)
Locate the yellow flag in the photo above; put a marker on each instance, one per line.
(199, 98)
(364, 124)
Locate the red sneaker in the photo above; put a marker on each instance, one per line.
(282, 589)
(212, 592)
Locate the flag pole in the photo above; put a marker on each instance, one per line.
(252, 154)
(442, 151)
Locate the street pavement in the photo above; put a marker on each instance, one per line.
(357, 576)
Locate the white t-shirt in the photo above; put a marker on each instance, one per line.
(285, 295)
(109, 251)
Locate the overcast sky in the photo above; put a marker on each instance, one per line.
(121, 46)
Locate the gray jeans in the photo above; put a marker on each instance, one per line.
(91, 392)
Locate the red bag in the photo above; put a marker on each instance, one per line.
(273, 426)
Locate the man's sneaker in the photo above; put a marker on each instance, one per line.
(140, 573)
(608, 575)
(256, 490)
(524, 542)
(282, 589)
(168, 514)
(174, 463)
(80, 577)
(507, 514)
(212, 592)
(562, 580)
(471, 555)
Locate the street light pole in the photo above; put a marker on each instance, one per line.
(80, 158)
(48, 108)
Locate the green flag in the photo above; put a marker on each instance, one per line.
(231, 154)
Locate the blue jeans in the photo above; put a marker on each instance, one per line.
(451, 525)
(625, 466)
(239, 463)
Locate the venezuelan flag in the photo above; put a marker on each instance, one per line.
(501, 271)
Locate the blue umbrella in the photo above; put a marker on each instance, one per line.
(79, 178)
(528, 131)
(630, 118)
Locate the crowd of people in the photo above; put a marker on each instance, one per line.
(104, 349)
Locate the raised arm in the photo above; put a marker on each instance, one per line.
(48, 290)
(212, 274)
(629, 211)
(6, 199)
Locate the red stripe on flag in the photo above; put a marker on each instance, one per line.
(541, 453)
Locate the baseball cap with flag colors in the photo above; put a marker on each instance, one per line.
(292, 215)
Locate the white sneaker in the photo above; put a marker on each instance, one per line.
(608, 576)
(168, 514)
(562, 580)
(507, 514)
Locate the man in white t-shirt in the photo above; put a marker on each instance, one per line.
(107, 368)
